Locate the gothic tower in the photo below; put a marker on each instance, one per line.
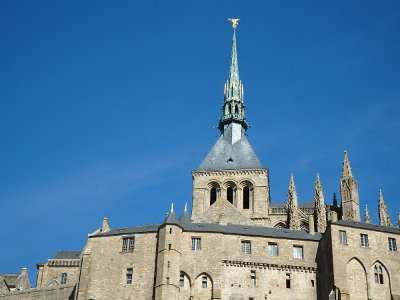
(349, 193)
(231, 184)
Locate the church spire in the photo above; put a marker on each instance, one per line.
(349, 192)
(319, 207)
(293, 214)
(346, 172)
(233, 123)
(384, 218)
(367, 218)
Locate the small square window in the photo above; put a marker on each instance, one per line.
(364, 240)
(246, 247)
(196, 243)
(272, 249)
(129, 275)
(343, 237)
(128, 244)
(392, 245)
(298, 252)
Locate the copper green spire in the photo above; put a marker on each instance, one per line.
(233, 107)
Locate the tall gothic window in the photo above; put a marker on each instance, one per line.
(246, 197)
(213, 195)
(378, 274)
(229, 194)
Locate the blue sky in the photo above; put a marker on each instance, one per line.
(106, 107)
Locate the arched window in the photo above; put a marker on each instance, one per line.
(213, 195)
(229, 194)
(378, 274)
(246, 197)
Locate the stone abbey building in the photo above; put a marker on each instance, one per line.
(235, 244)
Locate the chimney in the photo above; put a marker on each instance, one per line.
(105, 226)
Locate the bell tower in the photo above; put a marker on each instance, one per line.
(231, 179)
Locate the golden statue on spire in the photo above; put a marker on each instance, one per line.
(234, 22)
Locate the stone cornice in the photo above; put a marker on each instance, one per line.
(249, 264)
(230, 172)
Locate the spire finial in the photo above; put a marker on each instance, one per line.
(367, 218)
(172, 206)
(233, 107)
(346, 166)
(235, 23)
(185, 207)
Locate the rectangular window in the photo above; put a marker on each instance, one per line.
(392, 245)
(167, 280)
(63, 278)
(343, 237)
(169, 246)
(364, 240)
(196, 243)
(128, 244)
(204, 282)
(129, 275)
(181, 280)
(288, 281)
(253, 278)
(246, 247)
(272, 249)
(298, 252)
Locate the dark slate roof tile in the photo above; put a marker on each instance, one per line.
(225, 156)
(368, 226)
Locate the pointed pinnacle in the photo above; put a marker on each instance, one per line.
(172, 206)
(346, 166)
(185, 207)
(381, 200)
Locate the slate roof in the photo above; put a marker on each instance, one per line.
(368, 226)
(224, 229)
(225, 156)
(67, 255)
(171, 218)
(185, 218)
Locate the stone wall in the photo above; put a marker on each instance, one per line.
(354, 265)
(104, 268)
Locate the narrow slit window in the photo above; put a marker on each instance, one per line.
(64, 278)
(288, 281)
(129, 275)
(204, 282)
(253, 278)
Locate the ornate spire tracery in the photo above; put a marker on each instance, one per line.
(293, 211)
(384, 218)
(233, 107)
(319, 207)
(367, 218)
(349, 192)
